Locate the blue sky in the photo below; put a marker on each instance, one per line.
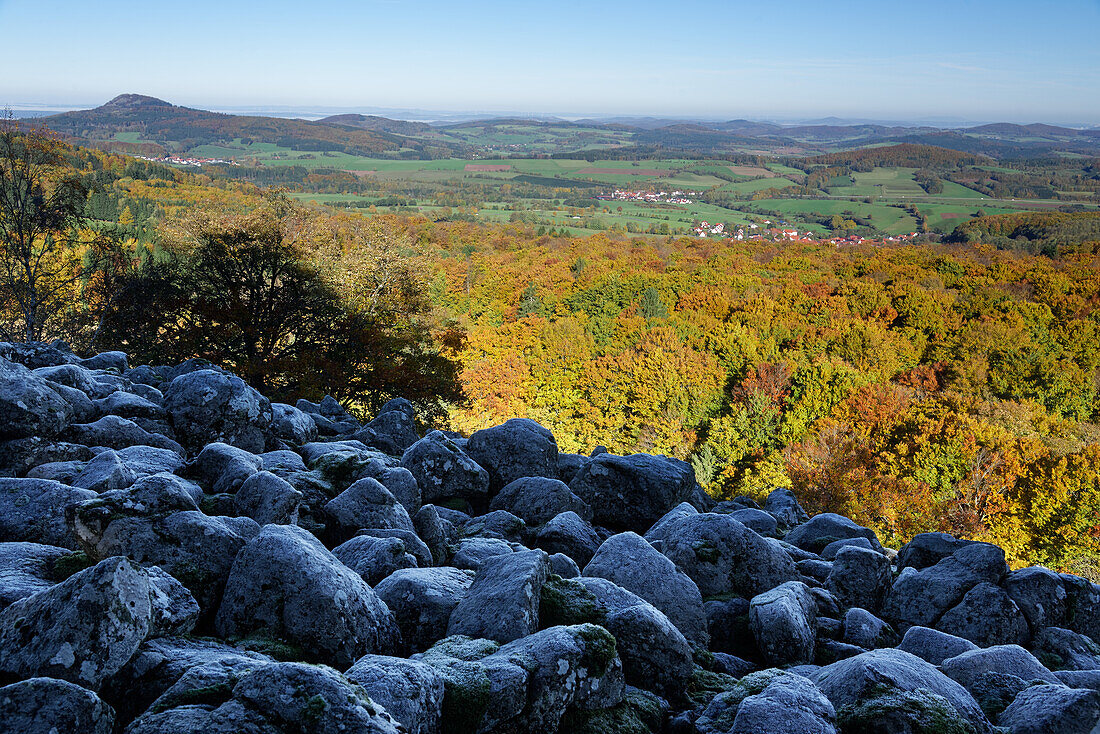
(979, 60)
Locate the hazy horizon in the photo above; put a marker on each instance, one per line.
(975, 62)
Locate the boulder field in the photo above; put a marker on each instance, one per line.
(180, 555)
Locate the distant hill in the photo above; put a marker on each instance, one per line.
(378, 124)
(906, 155)
(183, 128)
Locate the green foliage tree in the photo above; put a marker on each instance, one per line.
(243, 292)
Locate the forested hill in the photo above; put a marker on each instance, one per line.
(179, 129)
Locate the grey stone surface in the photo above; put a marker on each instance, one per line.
(28, 405)
(207, 405)
(633, 492)
(570, 535)
(422, 600)
(410, 691)
(986, 616)
(502, 603)
(932, 645)
(52, 706)
(860, 577)
(1050, 709)
(443, 470)
(784, 624)
(81, 630)
(722, 556)
(517, 448)
(538, 500)
(286, 584)
(34, 510)
(374, 558)
(883, 678)
(628, 560)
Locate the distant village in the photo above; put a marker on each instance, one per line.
(664, 197)
(770, 233)
(176, 160)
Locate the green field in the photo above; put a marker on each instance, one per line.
(873, 198)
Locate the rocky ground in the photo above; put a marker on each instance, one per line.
(181, 555)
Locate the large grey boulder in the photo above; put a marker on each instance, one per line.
(472, 553)
(221, 468)
(1040, 595)
(633, 492)
(784, 623)
(1066, 650)
(52, 706)
(414, 546)
(860, 578)
(28, 405)
(174, 609)
(479, 694)
(398, 480)
(119, 469)
(655, 655)
(422, 600)
(291, 424)
(928, 549)
(570, 535)
(443, 470)
(366, 504)
(276, 698)
(27, 568)
(537, 500)
(268, 499)
(827, 527)
(921, 597)
(410, 691)
(518, 448)
(128, 405)
(285, 584)
(972, 669)
(160, 662)
(195, 548)
(21, 455)
(722, 556)
(502, 603)
(1052, 709)
(208, 405)
(1082, 606)
(932, 645)
(374, 558)
(567, 667)
(114, 432)
(898, 690)
(394, 428)
(34, 510)
(783, 506)
(772, 701)
(863, 629)
(82, 630)
(986, 616)
(629, 561)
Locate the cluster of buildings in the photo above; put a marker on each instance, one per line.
(176, 160)
(756, 233)
(653, 197)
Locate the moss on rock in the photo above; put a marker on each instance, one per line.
(568, 602)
